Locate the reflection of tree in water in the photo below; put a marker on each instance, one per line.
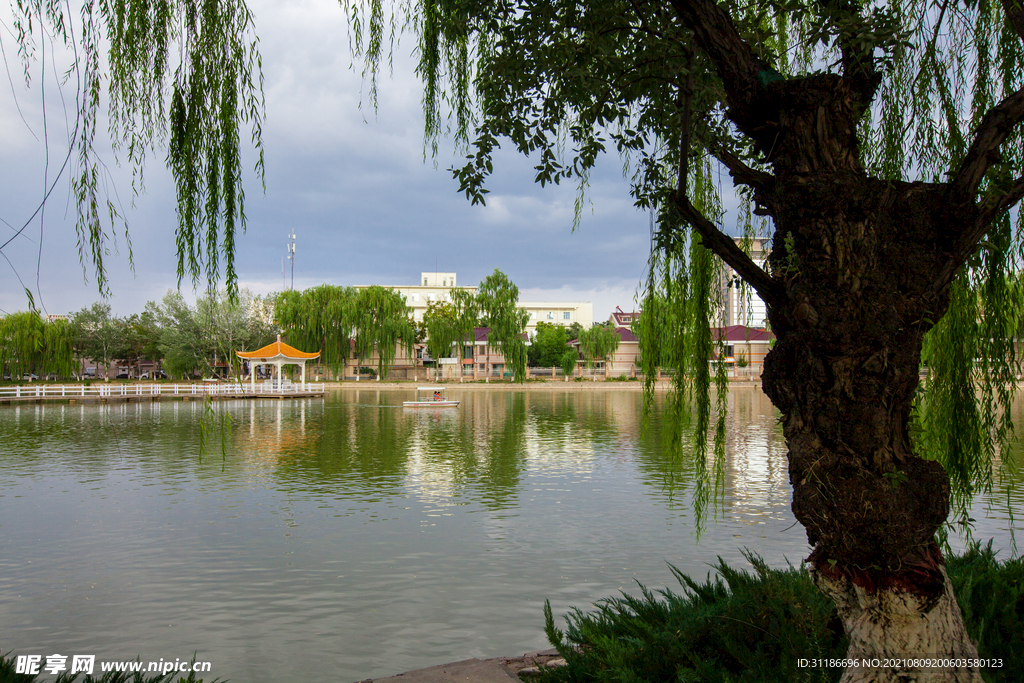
(156, 437)
(505, 463)
(362, 447)
(371, 445)
(668, 470)
(477, 450)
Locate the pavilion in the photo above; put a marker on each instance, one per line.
(277, 354)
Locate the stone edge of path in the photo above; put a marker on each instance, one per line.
(494, 670)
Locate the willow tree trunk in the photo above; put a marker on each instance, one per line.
(857, 260)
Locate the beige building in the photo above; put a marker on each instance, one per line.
(429, 288)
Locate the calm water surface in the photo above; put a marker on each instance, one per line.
(349, 538)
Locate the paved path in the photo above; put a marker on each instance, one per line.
(497, 670)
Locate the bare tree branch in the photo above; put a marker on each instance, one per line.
(730, 252)
(740, 172)
(984, 151)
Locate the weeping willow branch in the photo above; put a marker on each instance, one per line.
(1014, 16)
(995, 127)
(725, 247)
(996, 204)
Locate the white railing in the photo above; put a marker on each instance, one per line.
(179, 390)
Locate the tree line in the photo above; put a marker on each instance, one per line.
(186, 340)
(342, 323)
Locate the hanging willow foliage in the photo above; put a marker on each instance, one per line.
(28, 344)
(680, 306)
(383, 324)
(321, 319)
(184, 73)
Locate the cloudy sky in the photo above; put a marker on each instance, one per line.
(351, 183)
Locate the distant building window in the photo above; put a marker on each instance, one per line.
(415, 297)
(424, 282)
(431, 297)
(627, 318)
(444, 283)
(533, 315)
(566, 315)
(551, 315)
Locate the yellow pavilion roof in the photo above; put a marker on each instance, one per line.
(277, 349)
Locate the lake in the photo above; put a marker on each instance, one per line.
(348, 538)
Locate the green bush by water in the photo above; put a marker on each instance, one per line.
(754, 627)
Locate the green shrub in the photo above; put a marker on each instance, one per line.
(991, 597)
(742, 627)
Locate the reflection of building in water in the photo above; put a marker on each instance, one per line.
(495, 439)
(261, 432)
(430, 472)
(756, 472)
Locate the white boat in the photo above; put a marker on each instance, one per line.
(431, 397)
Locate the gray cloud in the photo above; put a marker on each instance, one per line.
(350, 181)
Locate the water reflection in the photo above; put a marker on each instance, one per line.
(349, 537)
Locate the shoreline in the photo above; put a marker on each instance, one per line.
(631, 385)
(492, 670)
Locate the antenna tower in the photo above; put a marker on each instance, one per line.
(291, 256)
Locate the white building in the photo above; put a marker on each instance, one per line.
(430, 287)
(437, 287)
(563, 313)
(742, 304)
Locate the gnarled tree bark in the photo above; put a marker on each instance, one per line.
(858, 274)
(857, 258)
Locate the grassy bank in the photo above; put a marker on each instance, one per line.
(756, 627)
